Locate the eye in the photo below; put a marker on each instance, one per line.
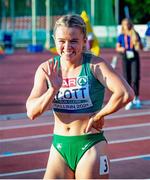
(74, 41)
(61, 41)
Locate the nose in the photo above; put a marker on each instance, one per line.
(67, 45)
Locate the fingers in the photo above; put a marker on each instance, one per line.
(55, 66)
(89, 126)
(52, 67)
(97, 128)
(48, 67)
(98, 125)
(46, 74)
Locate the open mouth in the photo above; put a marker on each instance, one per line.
(68, 53)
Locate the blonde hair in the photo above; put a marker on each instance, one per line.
(130, 25)
(132, 33)
(71, 21)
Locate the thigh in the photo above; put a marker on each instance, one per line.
(94, 164)
(57, 167)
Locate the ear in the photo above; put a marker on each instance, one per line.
(84, 46)
(85, 40)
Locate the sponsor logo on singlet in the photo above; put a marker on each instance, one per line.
(73, 95)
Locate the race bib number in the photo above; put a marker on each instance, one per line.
(104, 166)
(73, 95)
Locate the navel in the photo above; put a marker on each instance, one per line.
(68, 129)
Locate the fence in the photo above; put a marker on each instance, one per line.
(16, 17)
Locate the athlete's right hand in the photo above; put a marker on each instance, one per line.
(53, 75)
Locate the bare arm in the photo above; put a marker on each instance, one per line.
(119, 48)
(41, 97)
(121, 92)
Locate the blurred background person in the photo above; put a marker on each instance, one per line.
(92, 44)
(147, 37)
(128, 45)
(90, 39)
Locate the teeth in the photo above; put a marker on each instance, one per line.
(67, 53)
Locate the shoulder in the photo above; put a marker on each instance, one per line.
(96, 59)
(102, 69)
(98, 64)
(44, 65)
(121, 36)
(39, 74)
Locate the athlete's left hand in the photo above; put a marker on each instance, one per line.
(98, 125)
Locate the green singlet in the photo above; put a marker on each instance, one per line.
(82, 94)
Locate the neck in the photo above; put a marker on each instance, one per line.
(126, 32)
(71, 64)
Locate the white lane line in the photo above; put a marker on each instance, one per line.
(109, 117)
(24, 153)
(25, 138)
(27, 125)
(130, 158)
(146, 102)
(126, 126)
(11, 154)
(43, 169)
(22, 172)
(49, 135)
(128, 115)
(50, 112)
(129, 140)
(16, 116)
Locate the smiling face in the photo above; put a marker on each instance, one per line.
(70, 37)
(70, 42)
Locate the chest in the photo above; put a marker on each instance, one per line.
(74, 88)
